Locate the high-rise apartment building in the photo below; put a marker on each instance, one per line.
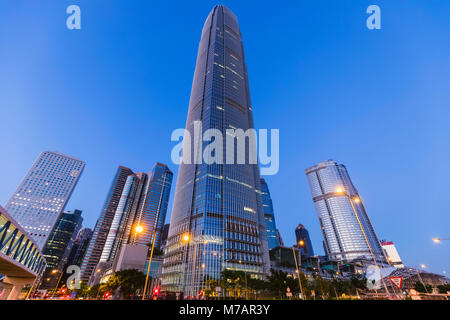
(137, 216)
(347, 235)
(302, 234)
(59, 245)
(103, 225)
(217, 219)
(43, 194)
(269, 216)
(143, 203)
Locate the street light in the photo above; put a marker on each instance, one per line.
(139, 229)
(54, 271)
(357, 200)
(188, 239)
(438, 240)
(300, 244)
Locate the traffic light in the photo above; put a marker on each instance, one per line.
(156, 291)
(106, 296)
(63, 290)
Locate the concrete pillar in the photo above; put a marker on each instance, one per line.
(18, 284)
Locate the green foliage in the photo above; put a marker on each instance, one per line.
(128, 282)
(279, 282)
(418, 286)
(83, 291)
(444, 288)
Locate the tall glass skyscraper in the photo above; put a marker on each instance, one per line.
(135, 199)
(80, 247)
(43, 194)
(302, 234)
(143, 203)
(218, 206)
(59, 245)
(343, 238)
(103, 225)
(269, 216)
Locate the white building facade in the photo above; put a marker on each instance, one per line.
(43, 194)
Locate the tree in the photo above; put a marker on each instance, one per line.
(279, 282)
(418, 286)
(83, 291)
(444, 288)
(129, 282)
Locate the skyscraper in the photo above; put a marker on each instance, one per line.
(101, 229)
(143, 203)
(341, 228)
(280, 239)
(59, 245)
(138, 199)
(217, 218)
(43, 194)
(269, 216)
(80, 246)
(392, 254)
(302, 234)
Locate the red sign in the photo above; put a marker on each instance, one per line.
(413, 292)
(397, 281)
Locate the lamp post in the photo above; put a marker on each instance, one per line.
(188, 239)
(438, 240)
(137, 230)
(59, 279)
(357, 200)
(300, 243)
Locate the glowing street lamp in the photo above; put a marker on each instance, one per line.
(438, 240)
(139, 229)
(357, 200)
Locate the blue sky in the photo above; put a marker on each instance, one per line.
(112, 93)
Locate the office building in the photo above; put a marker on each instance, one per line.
(80, 246)
(59, 245)
(280, 239)
(136, 219)
(392, 254)
(101, 229)
(217, 219)
(269, 216)
(302, 235)
(43, 194)
(347, 235)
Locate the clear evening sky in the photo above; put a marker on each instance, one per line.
(112, 93)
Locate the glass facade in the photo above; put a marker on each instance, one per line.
(80, 246)
(269, 216)
(43, 194)
(143, 203)
(60, 242)
(343, 238)
(135, 199)
(218, 205)
(103, 224)
(302, 234)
